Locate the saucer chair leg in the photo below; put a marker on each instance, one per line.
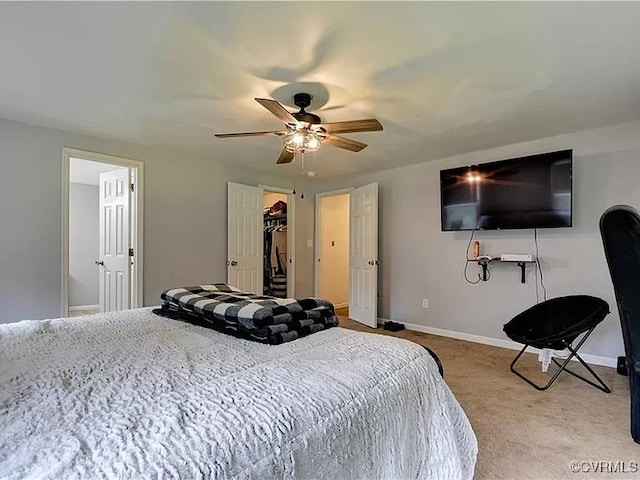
(603, 386)
(537, 387)
(563, 367)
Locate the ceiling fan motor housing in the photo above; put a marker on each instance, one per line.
(303, 100)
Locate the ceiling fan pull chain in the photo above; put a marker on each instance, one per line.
(302, 167)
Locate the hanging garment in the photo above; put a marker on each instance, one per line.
(278, 208)
(266, 254)
(279, 252)
(281, 268)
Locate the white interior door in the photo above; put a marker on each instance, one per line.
(245, 242)
(363, 254)
(115, 238)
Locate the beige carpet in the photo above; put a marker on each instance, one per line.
(526, 434)
(82, 313)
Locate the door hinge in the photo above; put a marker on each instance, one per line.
(132, 187)
(131, 252)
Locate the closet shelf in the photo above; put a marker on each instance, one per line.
(275, 217)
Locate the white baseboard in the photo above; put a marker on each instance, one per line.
(497, 342)
(341, 305)
(84, 307)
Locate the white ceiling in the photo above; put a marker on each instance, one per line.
(88, 172)
(443, 78)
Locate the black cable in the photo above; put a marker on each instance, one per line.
(537, 290)
(473, 232)
(544, 290)
(537, 271)
(467, 260)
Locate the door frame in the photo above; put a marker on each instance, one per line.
(137, 218)
(317, 232)
(291, 234)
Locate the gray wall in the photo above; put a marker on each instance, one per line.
(418, 260)
(84, 250)
(178, 189)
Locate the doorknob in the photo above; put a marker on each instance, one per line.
(370, 262)
(233, 263)
(99, 262)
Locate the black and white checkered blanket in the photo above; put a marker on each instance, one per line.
(255, 317)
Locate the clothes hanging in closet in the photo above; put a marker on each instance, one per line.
(266, 274)
(279, 252)
(275, 250)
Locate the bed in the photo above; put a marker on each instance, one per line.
(135, 395)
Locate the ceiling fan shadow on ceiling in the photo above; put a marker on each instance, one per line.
(305, 132)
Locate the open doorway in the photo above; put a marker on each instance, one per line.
(102, 233)
(332, 249)
(349, 223)
(278, 217)
(276, 246)
(259, 219)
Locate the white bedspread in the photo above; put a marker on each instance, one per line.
(134, 395)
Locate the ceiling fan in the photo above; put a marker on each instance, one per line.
(305, 132)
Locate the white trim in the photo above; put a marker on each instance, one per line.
(341, 305)
(496, 342)
(79, 308)
(316, 233)
(137, 299)
(291, 235)
(136, 291)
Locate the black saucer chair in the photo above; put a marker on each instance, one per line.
(556, 323)
(620, 230)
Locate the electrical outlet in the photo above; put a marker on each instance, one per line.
(425, 303)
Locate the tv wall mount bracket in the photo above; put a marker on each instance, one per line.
(485, 260)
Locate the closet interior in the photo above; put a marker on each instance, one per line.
(275, 244)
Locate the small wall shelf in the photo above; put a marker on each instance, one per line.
(485, 260)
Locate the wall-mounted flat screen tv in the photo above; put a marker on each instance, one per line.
(525, 192)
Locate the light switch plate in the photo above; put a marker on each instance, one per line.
(309, 243)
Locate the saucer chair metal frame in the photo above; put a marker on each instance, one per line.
(535, 327)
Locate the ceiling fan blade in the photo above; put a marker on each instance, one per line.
(351, 126)
(250, 134)
(277, 109)
(285, 157)
(345, 143)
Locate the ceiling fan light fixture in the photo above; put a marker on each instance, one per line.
(302, 141)
(298, 139)
(312, 143)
